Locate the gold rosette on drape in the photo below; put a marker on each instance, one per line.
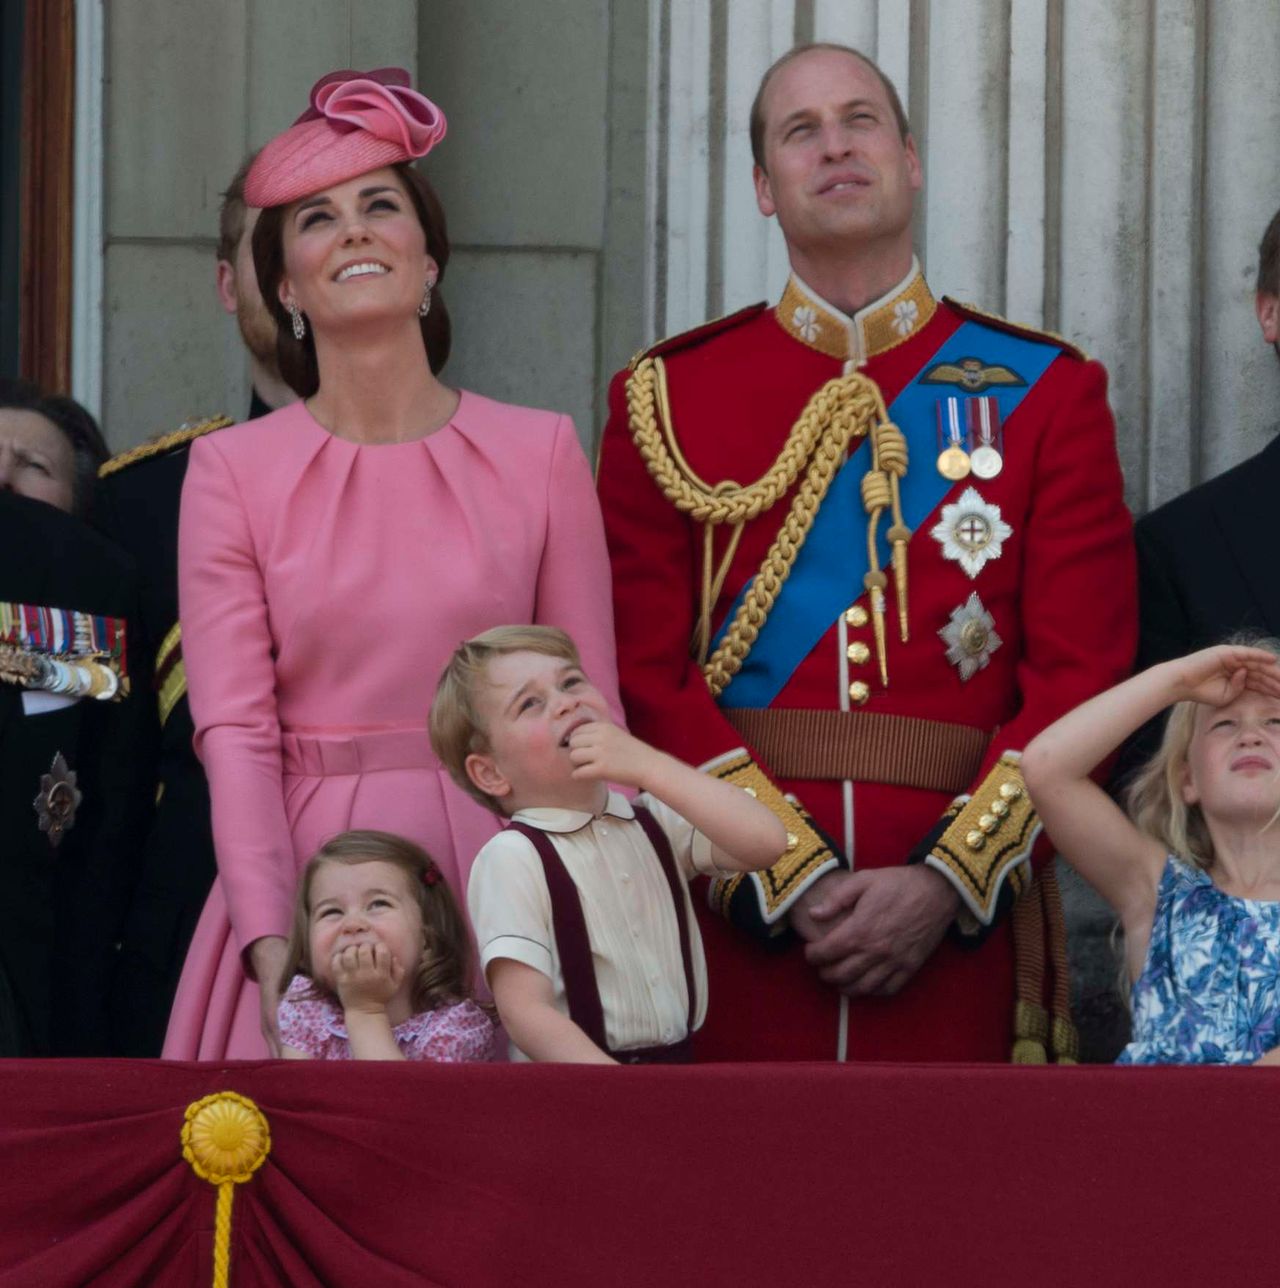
(225, 1138)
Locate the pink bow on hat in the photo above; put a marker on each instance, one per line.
(357, 122)
(380, 103)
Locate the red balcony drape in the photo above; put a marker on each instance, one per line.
(735, 1175)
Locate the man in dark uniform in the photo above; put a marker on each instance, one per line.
(1206, 560)
(137, 506)
(72, 808)
(865, 544)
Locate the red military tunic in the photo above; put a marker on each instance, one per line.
(1059, 588)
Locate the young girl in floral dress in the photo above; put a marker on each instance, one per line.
(379, 960)
(1193, 870)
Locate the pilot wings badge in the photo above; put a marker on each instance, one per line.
(972, 375)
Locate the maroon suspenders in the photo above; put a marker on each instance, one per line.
(573, 945)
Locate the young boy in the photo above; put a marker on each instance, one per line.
(581, 906)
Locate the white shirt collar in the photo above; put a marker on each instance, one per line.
(554, 819)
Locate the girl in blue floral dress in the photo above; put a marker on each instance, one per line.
(1193, 870)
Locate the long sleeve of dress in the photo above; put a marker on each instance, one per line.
(574, 581)
(228, 652)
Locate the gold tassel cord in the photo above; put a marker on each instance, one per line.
(225, 1138)
(1030, 1019)
(876, 498)
(845, 408)
(1064, 1040)
(891, 452)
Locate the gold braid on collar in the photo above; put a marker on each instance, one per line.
(845, 408)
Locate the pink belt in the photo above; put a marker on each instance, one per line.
(357, 753)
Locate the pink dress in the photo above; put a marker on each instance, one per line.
(323, 585)
(448, 1035)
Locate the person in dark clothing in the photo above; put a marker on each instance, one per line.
(138, 500)
(72, 808)
(1206, 568)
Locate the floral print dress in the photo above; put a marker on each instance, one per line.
(451, 1034)
(1208, 992)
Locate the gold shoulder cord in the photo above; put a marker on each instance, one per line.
(161, 444)
(845, 408)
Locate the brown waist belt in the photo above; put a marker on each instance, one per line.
(863, 746)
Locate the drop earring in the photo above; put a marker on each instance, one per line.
(425, 307)
(299, 322)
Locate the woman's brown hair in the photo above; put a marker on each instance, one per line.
(444, 973)
(297, 358)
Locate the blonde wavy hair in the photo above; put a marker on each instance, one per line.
(1154, 799)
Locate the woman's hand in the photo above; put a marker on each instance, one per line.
(267, 956)
(366, 977)
(1217, 676)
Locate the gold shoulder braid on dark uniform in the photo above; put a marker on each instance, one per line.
(163, 443)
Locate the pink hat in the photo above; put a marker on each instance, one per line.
(357, 122)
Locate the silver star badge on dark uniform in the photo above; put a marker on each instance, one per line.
(57, 800)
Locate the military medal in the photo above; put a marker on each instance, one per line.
(970, 637)
(984, 433)
(57, 801)
(953, 460)
(971, 532)
(63, 652)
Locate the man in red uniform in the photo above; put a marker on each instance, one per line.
(865, 544)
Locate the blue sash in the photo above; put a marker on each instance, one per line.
(827, 574)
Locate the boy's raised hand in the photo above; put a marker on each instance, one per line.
(1218, 675)
(365, 976)
(607, 752)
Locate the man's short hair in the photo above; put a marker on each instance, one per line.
(1269, 259)
(757, 104)
(231, 213)
(77, 426)
(455, 725)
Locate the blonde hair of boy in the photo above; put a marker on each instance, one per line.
(1154, 798)
(444, 972)
(454, 724)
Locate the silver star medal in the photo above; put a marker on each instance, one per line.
(971, 531)
(970, 637)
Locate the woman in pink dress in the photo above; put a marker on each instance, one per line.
(332, 555)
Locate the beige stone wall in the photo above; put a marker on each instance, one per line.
(190, 87)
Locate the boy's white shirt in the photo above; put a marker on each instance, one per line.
(635, 939)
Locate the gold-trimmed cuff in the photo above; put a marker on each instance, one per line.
(763, 898)
(989, 841)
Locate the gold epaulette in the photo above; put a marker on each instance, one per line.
(989, 841)
(1015, 328)
(703, 331)
(162, 443)
(759, 900)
